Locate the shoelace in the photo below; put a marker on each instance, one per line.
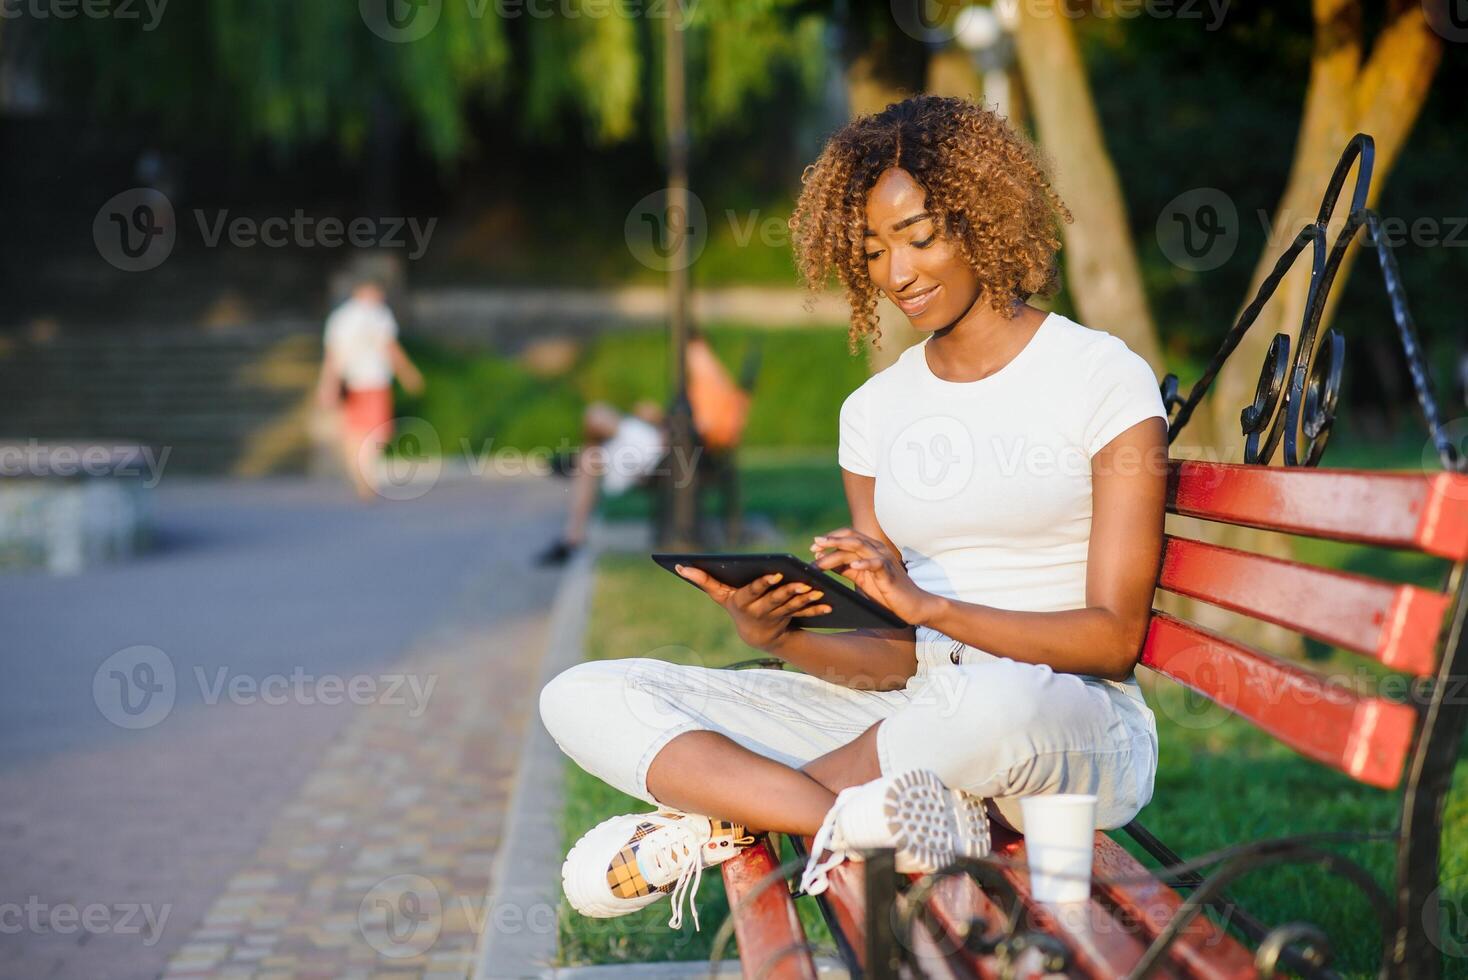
(813, 881)
(682, 847)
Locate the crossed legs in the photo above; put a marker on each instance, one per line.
(692, 773)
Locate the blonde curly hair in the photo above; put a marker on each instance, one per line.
(987, 187)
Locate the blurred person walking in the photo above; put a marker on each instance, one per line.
(362, 356)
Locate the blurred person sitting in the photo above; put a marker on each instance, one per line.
(362, 356)
(620, 451)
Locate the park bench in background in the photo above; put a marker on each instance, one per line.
(979, 918)
(716, 471)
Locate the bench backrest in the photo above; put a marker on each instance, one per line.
(1367, 735)
(1378, 737)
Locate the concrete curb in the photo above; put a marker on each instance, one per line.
(519, 937)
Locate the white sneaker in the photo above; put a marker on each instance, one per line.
(928, 824)
(626, 863)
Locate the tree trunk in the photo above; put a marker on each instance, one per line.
(1381, 99)
(1100, 258)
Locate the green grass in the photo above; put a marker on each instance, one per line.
(1220, 781)
(479, 402)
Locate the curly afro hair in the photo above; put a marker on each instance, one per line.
(986, 185)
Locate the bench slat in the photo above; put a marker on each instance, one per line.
(1365, 737)
(1420, 512)
(1393, 623)
(1202, 950)
(770, 936)
(1101, 946)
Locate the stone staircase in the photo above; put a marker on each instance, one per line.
(234, 401)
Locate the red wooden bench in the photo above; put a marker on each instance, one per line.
(980, 919)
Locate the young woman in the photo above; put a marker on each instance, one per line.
(1006, 482)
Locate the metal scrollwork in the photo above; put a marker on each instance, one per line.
(1296, 399)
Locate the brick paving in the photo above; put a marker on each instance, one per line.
(379, 867)
(272, 839)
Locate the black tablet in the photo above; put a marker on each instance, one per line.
(849, 608)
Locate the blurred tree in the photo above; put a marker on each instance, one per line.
(1101, 269)
(292, 74)
(1380, 96)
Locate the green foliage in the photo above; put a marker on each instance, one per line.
(484, 401)
(292, 74)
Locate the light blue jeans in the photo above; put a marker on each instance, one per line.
(996, 727)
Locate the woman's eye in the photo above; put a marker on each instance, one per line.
(925, 242)
(873, 256)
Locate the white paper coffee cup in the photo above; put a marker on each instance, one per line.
(1060, 832)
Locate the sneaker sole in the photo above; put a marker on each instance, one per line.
(586, 886)
(933, 825)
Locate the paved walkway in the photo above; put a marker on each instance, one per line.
(324, 796)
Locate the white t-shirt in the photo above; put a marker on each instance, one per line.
(985, 486)
(360, 336)
(633, 451)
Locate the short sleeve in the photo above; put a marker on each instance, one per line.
(1122, 391)
(334, 327)
(854, 450)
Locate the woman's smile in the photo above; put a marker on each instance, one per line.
(917, 302)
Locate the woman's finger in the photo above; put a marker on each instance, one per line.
(747, 594)
(796, 602)
(809, 611)
(716, 589)
(773, 599)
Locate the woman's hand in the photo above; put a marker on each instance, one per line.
(876, 571)
(761, 611)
